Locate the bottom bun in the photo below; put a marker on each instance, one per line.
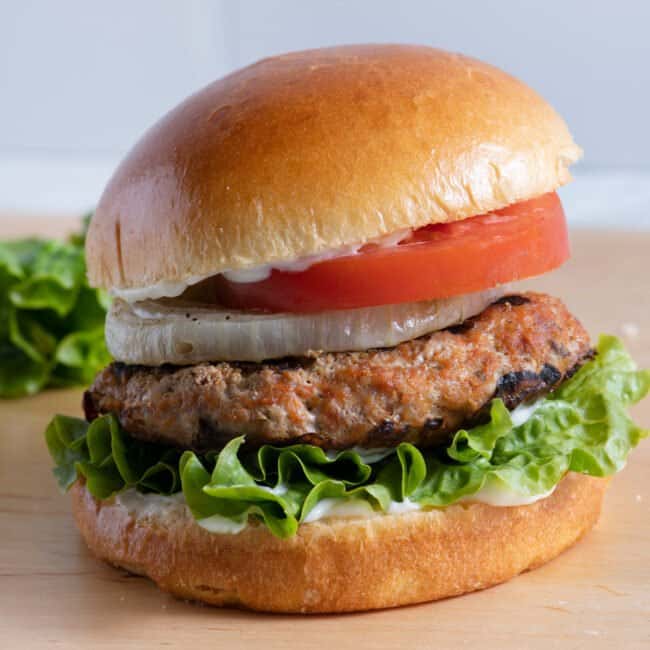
(342, 565)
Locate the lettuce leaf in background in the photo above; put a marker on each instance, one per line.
(51, 321)
(582, 427)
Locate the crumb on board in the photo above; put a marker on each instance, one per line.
(630, 330)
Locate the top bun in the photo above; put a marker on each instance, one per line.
(315, 150)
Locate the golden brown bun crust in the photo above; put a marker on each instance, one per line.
(346, 565)
(314, 150)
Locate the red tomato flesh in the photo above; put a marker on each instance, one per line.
(437, 261)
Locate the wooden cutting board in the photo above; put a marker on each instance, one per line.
(596, 595)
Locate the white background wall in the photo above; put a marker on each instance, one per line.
(81, 79)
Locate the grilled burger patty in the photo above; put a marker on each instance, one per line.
(421, 391)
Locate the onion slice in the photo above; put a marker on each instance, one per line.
(154, 332)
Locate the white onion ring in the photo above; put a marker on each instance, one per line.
(155, 332)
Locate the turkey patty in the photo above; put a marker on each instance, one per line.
(421, 391)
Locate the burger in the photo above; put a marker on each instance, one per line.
(327, 396)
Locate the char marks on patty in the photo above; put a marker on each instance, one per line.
(421, 391)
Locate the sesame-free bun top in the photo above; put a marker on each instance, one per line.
(316, 150)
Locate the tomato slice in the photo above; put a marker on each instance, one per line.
(437, 261)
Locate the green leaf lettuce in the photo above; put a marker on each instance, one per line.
(582, 427)
(51, 321)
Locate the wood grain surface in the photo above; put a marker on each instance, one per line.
(596, 595)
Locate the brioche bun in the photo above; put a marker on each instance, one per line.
(342, 565)
(315, 150)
